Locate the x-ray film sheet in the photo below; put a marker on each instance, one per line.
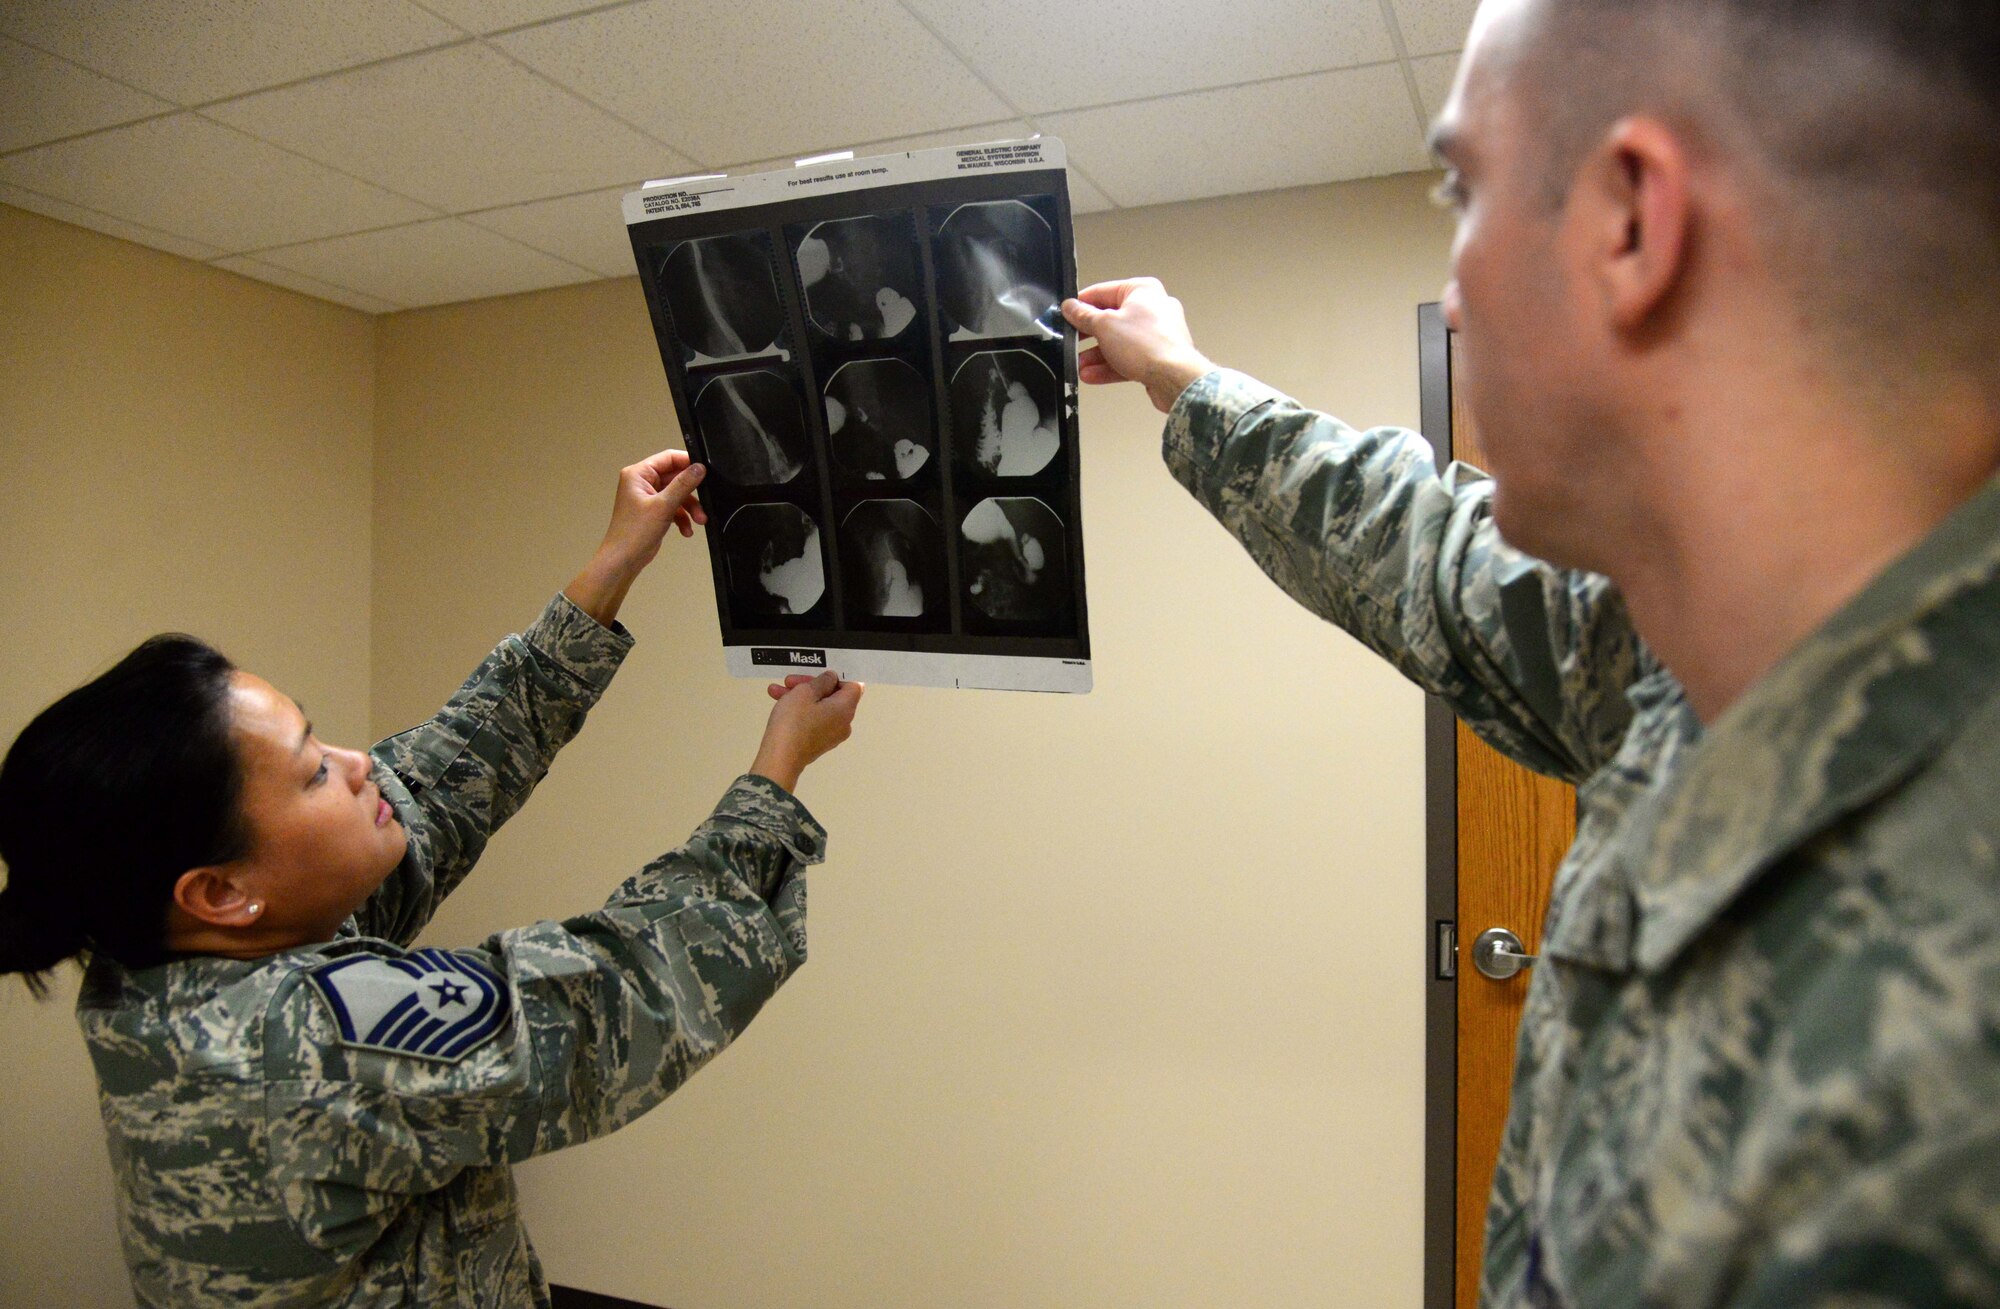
(869, 357)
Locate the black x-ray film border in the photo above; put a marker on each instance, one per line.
(920, 197)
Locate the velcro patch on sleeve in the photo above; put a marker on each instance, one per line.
(433, 1004)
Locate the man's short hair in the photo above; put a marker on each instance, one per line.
(1874, 125)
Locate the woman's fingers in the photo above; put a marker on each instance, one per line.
(663, 467)
(678, 496)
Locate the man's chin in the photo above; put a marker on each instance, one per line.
(1536, 530)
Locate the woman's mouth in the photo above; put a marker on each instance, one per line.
(383, 813)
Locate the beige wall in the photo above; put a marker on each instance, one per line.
(1114, 1000)
(180, 448)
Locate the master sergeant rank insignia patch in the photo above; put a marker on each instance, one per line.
(433, 1004)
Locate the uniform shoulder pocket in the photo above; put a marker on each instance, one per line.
(421, 755)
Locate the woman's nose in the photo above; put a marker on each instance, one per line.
(357, 768)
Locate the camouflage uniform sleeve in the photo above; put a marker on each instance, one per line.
(605, 1015)
(458, 777)
(626, 1004)
(1361, 529)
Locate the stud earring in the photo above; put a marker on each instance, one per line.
(256, 907)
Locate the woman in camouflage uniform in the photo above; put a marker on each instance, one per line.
(303, 1109)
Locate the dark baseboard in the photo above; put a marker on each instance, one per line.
(568, 1297)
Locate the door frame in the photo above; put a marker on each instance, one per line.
(1440, 888)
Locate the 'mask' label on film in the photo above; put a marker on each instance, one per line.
(786, 658)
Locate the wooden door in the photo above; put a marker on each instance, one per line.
(1497, 833)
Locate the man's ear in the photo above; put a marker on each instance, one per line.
(1637, 217)
(211, 894)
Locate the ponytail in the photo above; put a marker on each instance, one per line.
(32, 943)
(106, 798)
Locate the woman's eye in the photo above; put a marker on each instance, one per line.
(319, 776)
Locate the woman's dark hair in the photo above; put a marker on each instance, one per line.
(106, 798)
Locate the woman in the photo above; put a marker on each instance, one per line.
(301, 1108)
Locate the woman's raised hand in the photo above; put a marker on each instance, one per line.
(654, 496)
(812, 716)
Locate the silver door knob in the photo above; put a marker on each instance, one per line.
(1498, 954)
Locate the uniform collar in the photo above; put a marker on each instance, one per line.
(1846, 715)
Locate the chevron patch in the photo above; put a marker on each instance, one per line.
(433, 1004)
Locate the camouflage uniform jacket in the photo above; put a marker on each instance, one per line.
(268, 1151)
(1759, 1063)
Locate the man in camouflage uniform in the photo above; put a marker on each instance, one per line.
(1760, 1059)
(336, 1123)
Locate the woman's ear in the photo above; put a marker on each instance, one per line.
(213, 895)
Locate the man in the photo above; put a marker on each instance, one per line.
(1727, 276)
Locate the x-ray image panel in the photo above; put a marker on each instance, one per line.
(996, 272)
(723, 297)
(868, 354)
(1013, 558)
(774, 560)
(861, 277)
(894, 560)
(878, 419)
(1006, 413)
(753, 428)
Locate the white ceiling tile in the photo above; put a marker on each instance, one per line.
(462, 128)
(498, 15)
(1058, 54)
(1434, 77)
(197, 50)
(756, 79)
(76, 216)
(312, 286)
(428, 263)
(1433, 27)
(1085, 198)
(203, 181)
(1323, 127)
(47, 98)
(587, 229)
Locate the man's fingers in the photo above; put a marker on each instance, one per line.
(1110, 295)
(1099, 375)
(825, 684)
(1081, 316)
